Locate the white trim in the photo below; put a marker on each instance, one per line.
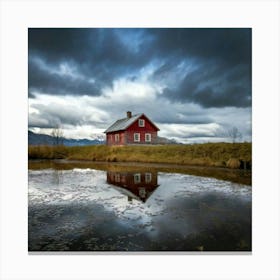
(142, 192)
(117, 137)
(136, 140)
(137, 178)
(141, 122)
(149, 136)
(148, 177)
(117, 178)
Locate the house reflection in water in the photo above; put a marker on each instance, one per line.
(137, 185)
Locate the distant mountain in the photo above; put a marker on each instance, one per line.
(39, 139)
(163, 140)
(43, 139)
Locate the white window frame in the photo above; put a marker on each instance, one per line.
(138, 137)
(117, 137)
(142, 192)
(117, 178)
(148, 177)
(149, 137)
(141, 123)
(137, 178)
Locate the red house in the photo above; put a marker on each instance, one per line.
(135, 185)
(134, 129)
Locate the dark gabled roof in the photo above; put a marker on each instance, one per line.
(123, 124)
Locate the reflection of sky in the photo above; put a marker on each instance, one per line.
(176, 201)
(87, 185)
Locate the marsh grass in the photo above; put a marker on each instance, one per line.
(209, 154)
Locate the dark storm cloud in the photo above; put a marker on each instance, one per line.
(54, 47)
(231, 45)
(217, 71)
(45, 80)
(215, 85)
(58, 44)
(85, 45)
(222, 76)
(98, 54)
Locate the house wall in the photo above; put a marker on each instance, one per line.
(127, 180)
(141, 188)
(127, 136)
(110, 138)
(130, 137)
(134, 128)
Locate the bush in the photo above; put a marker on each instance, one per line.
(233, 163)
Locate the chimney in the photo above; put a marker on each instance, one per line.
(128, 114)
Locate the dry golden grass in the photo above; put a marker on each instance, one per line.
(233, 163)
(209, 154)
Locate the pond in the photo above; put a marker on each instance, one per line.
(144, 209)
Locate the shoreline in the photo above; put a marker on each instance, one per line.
(240, 176)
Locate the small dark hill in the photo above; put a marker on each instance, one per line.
(43, 139)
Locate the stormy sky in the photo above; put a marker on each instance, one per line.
(194, 83)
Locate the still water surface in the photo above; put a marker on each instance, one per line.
(84, 209)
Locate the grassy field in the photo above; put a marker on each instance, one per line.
(231, 155)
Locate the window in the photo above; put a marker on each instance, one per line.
(117, 178)
(148, 177)
(148, 137)
(137, 178)
(142, 192)
(136, 137)
(117, 137)
(141, 123)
